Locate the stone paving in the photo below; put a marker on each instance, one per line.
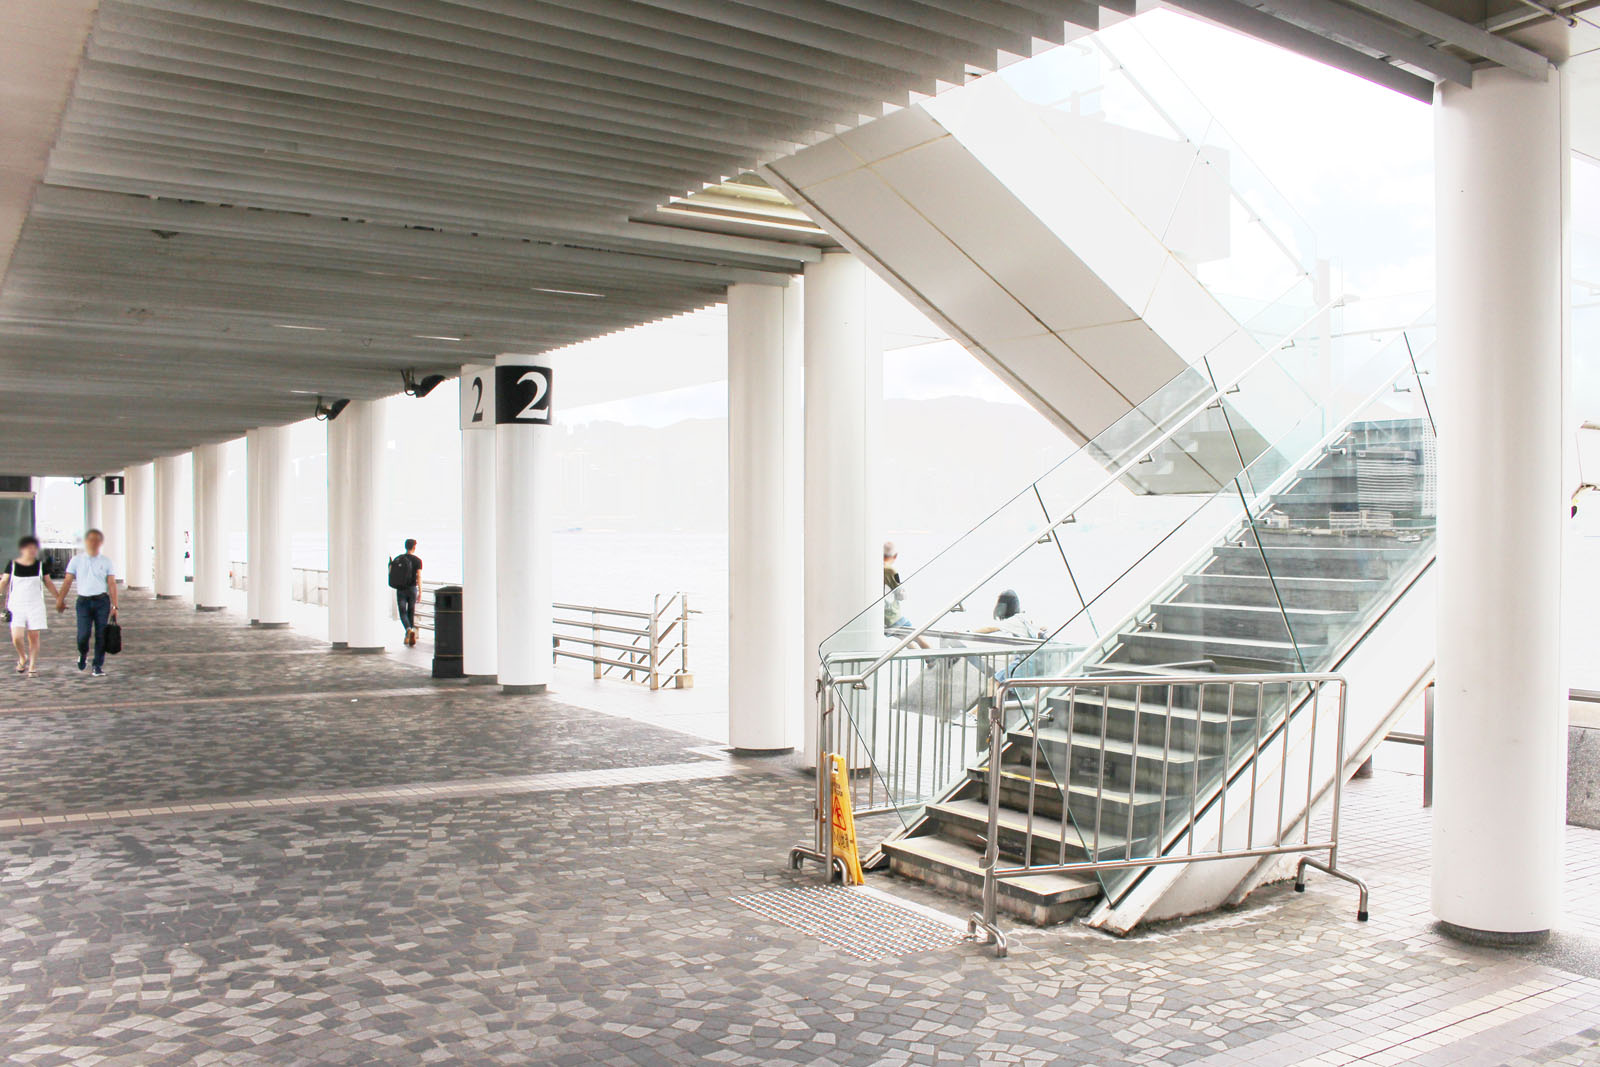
(461, 877)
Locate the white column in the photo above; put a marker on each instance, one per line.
(138, 558)
(1502, 164)
(113, 523)
(271, 565)
(252, 517)
(524, 471)
(91, 505)
(210, 533)
(366, 580)
(765, 454)
(479, 622)
(843, 411)
(338, 532)
(168, 528)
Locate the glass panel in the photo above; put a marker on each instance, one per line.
(1188, 532)
(1291, 567)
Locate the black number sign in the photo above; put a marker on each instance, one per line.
(522, 394)
(114, 485)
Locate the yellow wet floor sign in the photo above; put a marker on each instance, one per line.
(844, 821)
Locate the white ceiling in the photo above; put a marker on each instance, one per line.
(251, 202)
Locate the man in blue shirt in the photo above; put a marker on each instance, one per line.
(97, 598)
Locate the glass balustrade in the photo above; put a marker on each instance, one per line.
(1082, 551)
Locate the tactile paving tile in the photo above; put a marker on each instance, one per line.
(854, 921)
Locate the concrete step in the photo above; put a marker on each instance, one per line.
(1040, 899)
(1333, 594)
(967, 821)
(1325, 536)
(1306, 625)
(1151, 647)
(1120, 766)
(1017, 780)
(1307, 561)
(1119, 713)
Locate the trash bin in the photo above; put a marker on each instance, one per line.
(447, 643)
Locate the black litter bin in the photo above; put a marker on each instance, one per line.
(447, 643)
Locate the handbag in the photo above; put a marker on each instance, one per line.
(113, 638)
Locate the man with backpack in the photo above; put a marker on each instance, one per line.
(405, 578)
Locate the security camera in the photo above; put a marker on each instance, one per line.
(416, 388)
(330, 411)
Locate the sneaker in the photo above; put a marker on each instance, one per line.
(83, 664)
(99, 672)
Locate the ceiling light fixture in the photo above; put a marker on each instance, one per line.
(567, 292)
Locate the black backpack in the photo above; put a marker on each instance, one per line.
(402, 574)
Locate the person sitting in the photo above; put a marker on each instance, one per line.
(1010, 619)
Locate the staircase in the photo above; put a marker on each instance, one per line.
(1290, 591)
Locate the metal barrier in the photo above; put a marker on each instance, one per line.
(310, 583)
(908, 733)
(649, 646)
(1203, 813)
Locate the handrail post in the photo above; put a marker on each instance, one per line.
(683, 640)
(824, 785)
(989, 919)
(655, 639)
(1427, 746)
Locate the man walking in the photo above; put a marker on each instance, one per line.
(405, 578)
(95, 576)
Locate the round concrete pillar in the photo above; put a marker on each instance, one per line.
(272, 575)
(169, 568)
(210, 533)
(1502, 162)
(524, 447)
(138, 558)
(478, 445)
(765, 623)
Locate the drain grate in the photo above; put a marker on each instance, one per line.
(855, 920)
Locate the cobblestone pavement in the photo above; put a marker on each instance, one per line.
(467, 878)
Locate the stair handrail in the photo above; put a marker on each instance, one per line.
(1123, 466)
(1278, 844)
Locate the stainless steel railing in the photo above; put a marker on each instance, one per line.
(310, 583)
(907, 738)
(642, 646)
(1276, 816)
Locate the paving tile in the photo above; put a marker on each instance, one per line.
(445, 875)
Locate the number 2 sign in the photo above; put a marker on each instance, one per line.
(522, 394)
(477, 398)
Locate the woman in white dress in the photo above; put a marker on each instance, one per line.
(24, 582)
